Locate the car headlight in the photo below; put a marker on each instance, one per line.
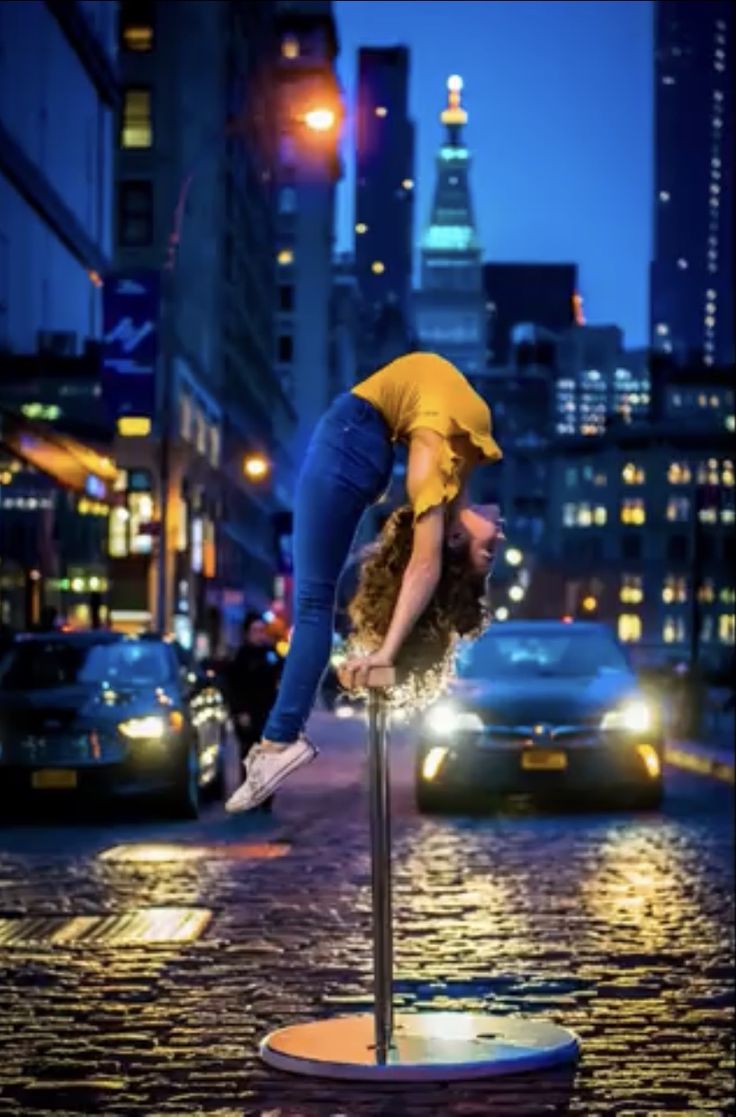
(151, 728)
(445, 719)
(633, 717)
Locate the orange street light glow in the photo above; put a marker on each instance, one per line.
(255, 467)
(320, 120)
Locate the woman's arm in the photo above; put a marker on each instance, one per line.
(422, 573)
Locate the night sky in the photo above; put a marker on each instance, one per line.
(559, 95)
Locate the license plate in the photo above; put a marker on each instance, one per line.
(62, 779)
(544, 760)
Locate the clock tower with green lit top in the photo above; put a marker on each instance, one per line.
(450, 314)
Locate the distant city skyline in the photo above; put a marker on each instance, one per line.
(559, 96)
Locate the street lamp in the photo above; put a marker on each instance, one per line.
(320, 119)
(256, 467)
(514, 557)
(516, 593)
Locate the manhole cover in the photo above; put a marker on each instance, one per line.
(132, 928)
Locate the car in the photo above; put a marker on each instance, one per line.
(542, 708)
(98, 712)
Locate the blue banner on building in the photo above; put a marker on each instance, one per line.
(130, 315)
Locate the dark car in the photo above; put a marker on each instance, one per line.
(98, 712)
(541, 708)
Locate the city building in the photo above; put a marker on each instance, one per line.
(309, 117)
(692, 270)
(598, 381)
(384, 186)
(195, 244)
(450, 311)
(542, 294)
(641, 525)
(57, 63)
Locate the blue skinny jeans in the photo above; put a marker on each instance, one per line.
(346, 469)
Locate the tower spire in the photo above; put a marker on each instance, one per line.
(454, 115)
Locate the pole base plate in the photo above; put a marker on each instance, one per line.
(427, 1047)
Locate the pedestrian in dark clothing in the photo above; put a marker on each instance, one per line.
(252, 682)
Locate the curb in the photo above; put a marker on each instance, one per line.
(680, 757)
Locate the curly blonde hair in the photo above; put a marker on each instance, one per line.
(457, 610)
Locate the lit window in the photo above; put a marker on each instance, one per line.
(285, 256)
(662, 329)
(381, 111)
(707, 592)
(633, 474)
(137, 37)
(727, 474)
(633, 512)
(361, 228)
(600, 515)
(117, 542)
(584, 515)
(290, 47)
(673, 630)
(629, 628)
(408, 184)
(678, 509)
(568, 514)
(136, 25)
(727, 628)
(682, 263)
(674, 590)
(664, 195)
(377, 267)
(632, 589)
(137, 130)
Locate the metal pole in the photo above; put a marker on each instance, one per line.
(380, 873)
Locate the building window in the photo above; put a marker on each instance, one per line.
(136, 25)
(707, 591)
(285, 257)
(679, 473)
(633, 512)
(290, 47)
(287, 200)
(286, 297)
(135, 213)
(629, 628)
(633, 474)
(378, 267)
(727, 628)
(137, 129)
(674, 590)
(678, 509)
(631, 547)
(632, 589)
(673, 630)
(285, 349)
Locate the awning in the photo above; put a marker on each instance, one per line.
(70, 463)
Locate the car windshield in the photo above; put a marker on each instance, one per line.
(46, 664)
(541, 653)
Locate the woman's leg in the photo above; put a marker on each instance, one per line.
(326, 515)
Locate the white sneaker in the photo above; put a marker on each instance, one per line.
(265, 769)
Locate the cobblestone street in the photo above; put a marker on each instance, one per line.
(616, 925)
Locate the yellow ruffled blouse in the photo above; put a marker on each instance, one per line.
(425, 391)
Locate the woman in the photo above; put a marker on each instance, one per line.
(423, 584)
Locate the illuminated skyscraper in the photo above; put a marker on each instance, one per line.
(692, 271)
(450, 307)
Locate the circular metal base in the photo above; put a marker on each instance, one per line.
(427, 1047)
